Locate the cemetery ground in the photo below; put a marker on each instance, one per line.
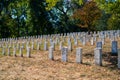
(40, 67)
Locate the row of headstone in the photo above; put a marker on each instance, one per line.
(28, 51)
(97, 55)
(75, 36)
(116, 33)
(52, 43)
(64, 54)
(114, 47)
(36, 41)
(101, 34)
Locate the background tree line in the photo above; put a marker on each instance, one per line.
(36, 17)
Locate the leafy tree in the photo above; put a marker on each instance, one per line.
(34, 17)
(60, 15)
(87, 15)
(5, 18)
(101, 24)
(60, 12)
(20, 12)
(40, 17)
(111, 7)
(113, 22)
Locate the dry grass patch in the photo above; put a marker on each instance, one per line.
(39, 67)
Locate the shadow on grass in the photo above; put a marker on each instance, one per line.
(86, 63)
(106, 56)
(89, 54)
(111, 59)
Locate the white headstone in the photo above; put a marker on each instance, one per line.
(84, 41)
(51, 57)
(8, 51)
(79, 55)
(70, 46)
(21, 51)
(27, 44)
(92, 41)
(64, 54)
(3, 50)
(98, 56)
(75, 42)
(28, 52)
(53, 45)
(45, 46)
(60, 45)
(38, 46)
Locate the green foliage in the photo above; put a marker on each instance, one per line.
(101, 24)
(114, 23)
(5, 19)
(40, 18)
(51, 4)
(20, 12)
(80, 2)
(35, 17)
(111, 7)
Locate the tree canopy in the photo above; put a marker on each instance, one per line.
(36, 17)
(87, 15)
